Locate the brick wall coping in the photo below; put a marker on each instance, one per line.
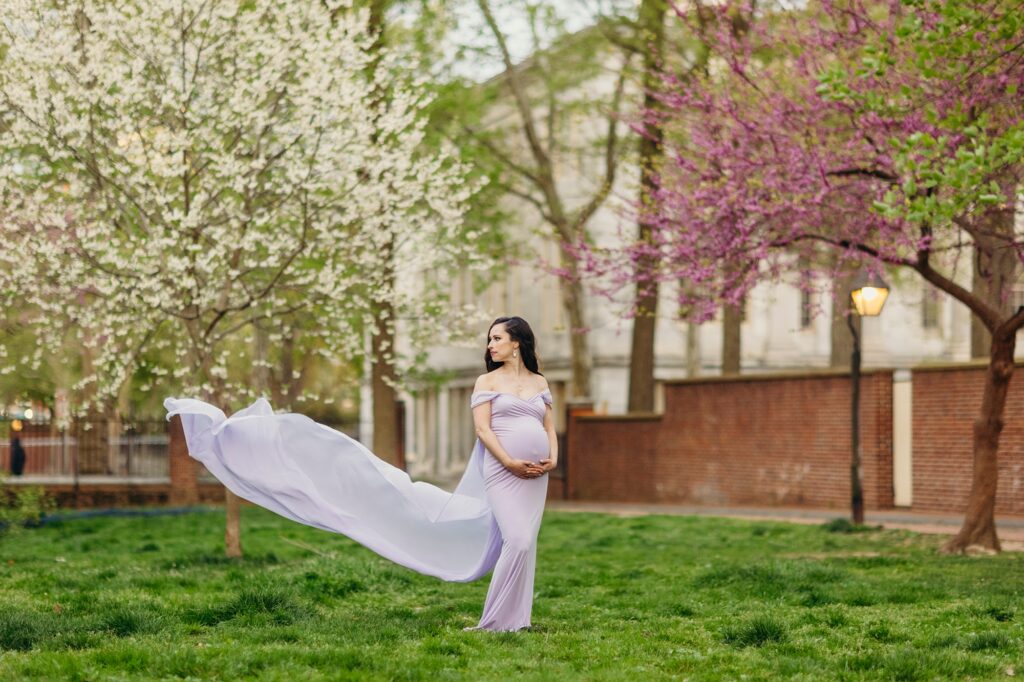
(631, 417)
(776, 376)
(87, 480)
(980, 363)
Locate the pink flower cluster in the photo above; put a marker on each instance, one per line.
(875, 132)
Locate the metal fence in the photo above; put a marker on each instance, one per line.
(116, 450)
(100, 448)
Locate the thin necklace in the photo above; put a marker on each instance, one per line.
(518, 379)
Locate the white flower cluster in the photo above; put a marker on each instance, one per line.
(175, 171)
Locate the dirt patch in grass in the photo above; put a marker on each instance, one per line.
(830, 555)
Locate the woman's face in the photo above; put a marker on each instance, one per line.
(499, 344)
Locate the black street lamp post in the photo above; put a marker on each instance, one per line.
(867, 298)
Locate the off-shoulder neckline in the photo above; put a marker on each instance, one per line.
(525, 400)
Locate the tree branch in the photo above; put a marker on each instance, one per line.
(502, 156)
(511, 75)
(843, 244)
(1011, 325)
(529, 198)
(868, 172)
(610, 156)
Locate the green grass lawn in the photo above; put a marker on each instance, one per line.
(616, 598)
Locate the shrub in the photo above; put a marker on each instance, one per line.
(21, 506)
(841, 525)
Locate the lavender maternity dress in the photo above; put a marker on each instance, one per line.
(517, 505)
(315, 475)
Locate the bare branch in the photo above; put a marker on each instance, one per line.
(529, 198)
(607, 29)
(988, 315)
(511, 78)
(610, 156)
(1011, 325)
(843, 244)
(867, 172)
(503, 156)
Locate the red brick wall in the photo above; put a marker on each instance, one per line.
(946, 403)
(781, 440)
(612, 458)
(183, 469)
(124, 494)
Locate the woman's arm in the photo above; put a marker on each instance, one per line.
(482, 423)
(549, 425)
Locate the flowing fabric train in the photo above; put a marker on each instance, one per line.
(317, 476)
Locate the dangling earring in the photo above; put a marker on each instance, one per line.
(515, 354)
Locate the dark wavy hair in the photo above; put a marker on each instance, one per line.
(518, 330)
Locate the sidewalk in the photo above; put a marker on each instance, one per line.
(1010, 528)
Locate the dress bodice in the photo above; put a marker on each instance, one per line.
(518, 422)
(509, 405)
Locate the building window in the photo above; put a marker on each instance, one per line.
(930, 309)
(1017, 296)
(806, 304)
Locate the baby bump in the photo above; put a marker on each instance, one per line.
(526, 439)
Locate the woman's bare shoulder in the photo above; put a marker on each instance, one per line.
(485, 382)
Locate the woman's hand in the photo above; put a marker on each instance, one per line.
(548, 464)
(524, 469)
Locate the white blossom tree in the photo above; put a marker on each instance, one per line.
(173, 172)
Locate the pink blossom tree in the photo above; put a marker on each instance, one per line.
(890, 134)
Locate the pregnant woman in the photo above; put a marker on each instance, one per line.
(315, 475)
(512, 414)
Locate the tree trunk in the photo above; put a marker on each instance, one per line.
(579, 346)
(232, 524)
(261, 371)
(995, 265)
(203, 359)
(382, 374)
(995, 269)
(91, 434)
(641, 359)
(692, 349)
(279, 381)
(979, 527)
(981, 340)
(297, 384)
(732, 319)
(385, 398)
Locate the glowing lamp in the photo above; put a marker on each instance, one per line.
(869, 294)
